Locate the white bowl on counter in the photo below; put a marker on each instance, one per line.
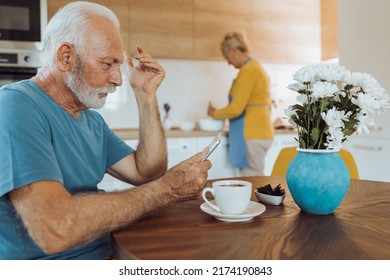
(187, 126)
(211, 125)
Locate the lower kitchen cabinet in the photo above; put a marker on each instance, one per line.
(372, 157)
(181, 148)
(219, 158)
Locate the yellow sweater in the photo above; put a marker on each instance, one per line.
(251, 87)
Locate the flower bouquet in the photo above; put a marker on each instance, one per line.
(335, 104)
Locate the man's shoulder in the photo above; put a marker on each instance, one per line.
(22, 101)
(20, 90)
(14, 93)
(19, 86)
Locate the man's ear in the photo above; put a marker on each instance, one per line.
(65, 56)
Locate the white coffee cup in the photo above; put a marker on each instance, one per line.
(231, 196)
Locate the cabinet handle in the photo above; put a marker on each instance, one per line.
(368, 148)
(173, 148)
(377, 128)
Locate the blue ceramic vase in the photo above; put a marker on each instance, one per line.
(318, 180)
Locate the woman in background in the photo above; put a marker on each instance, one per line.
(250, 128)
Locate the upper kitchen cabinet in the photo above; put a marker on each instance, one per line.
(163, 27)
(279, 31)
(286, 30)
(213, 19)
(283, 31)
(119, 7)
(329, 29)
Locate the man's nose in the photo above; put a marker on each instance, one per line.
(116, 76)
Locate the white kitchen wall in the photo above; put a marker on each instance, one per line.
(189, 85)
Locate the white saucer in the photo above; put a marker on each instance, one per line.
(254, 209)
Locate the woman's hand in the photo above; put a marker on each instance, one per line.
(210, 110)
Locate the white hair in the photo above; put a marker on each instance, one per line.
(70, 24)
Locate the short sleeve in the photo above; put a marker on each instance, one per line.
(26, 153)
(116, 147)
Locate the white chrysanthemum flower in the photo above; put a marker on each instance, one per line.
(297, 86)
(321, 86)
(364, 122)
(367, 103)
(289, 111)
(334, 118)
(302, 98)
(382, 98)
(332, 72)
(305, 74)
(324, 89)
(364, 81)
(334, 138)
(292, 123)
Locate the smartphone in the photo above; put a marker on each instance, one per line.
(213, 145)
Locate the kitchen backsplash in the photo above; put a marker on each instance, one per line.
(189, 85)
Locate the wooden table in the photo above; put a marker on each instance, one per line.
(358, 229)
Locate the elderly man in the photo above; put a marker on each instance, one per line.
(54, 150)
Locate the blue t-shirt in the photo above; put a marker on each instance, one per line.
(41, 141)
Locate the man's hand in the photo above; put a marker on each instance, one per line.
(147, 75)
(188, 178)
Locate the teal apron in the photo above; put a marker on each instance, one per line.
(237, 148)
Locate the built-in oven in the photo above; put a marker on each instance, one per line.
(18, 64)
(22, 23)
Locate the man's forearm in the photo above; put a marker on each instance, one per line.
(58, 221)
(151, 156)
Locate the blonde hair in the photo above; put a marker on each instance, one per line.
(235, 40)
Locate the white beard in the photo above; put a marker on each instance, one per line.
(87, 95)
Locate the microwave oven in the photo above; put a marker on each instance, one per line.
(22, 23)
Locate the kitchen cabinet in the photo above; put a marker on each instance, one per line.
(213, 19)
(276, 29)
(280, 33)
(164, 28)
(119, 7)
(330, 30)
(371, 157)
(219, 158)
(179, 149)
(193, 29)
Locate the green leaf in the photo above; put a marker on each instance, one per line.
(315, 134)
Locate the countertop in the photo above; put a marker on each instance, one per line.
(132, 133)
